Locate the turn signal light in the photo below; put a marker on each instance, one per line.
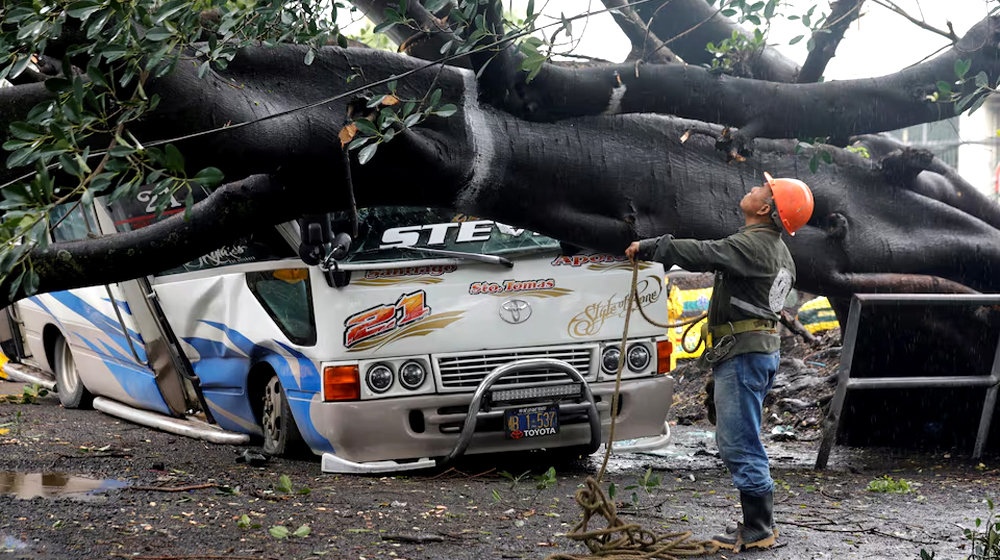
(291, 275)
(664, 349)
(341, 383)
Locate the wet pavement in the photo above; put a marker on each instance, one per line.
(185, 497)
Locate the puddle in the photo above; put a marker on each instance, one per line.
(10, 544)
(26, 486)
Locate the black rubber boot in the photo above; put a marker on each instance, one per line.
(758, 529)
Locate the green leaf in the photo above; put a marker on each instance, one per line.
(169, 9)
(435, 98)
(279, 532)
(244, 522)
(96, 76)
(25, 131)
(19, 66)
(446, 110)
(157, 34)
(366, 126)
(174, 161)
(209, 177)
(944, 87)
(434, 5)
(796, 39)
(612, 490)
(729, 12)
(814, 163)
(826, 156)
(30, 282)
(962, 67)
(359, 141)
(16, 284)
(302, 531)
(977, 104)
(367, 153)
(310, 56)
(284, 484)
(83, 10)
(982, 80)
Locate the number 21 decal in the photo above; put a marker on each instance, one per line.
(382, 319)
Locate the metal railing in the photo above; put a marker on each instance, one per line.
(846, 383)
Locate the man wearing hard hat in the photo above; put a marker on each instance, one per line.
(754, 273)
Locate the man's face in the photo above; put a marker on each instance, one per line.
(757, 201)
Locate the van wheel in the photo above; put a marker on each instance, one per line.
(69, 386)
(281, 435)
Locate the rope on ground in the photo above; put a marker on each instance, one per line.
(624, 541)
(620, 540)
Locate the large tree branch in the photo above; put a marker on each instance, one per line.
(837, 109)
(425, 42)
(687, 26)
(646, 46)
(826, 40)
(228, 214)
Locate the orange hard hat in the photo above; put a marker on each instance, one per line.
(793, 201)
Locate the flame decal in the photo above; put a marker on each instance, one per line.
(422, 327)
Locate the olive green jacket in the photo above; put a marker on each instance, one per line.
(754, 274)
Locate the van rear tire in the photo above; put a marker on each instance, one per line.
(281, 434)
(69, 386)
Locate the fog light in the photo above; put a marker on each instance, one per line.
(609, 359)
(379, 378)
(412, 375)
(341, 383)
(664, 348)
(638, 357)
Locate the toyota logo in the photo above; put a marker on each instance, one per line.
(515, 311)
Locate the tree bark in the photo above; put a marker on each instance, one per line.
(702, 24)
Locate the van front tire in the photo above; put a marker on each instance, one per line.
(281, 435)
(69, 386)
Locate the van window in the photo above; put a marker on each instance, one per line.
(264, 245)
(72, 226)
(384, 232)
(287, 298)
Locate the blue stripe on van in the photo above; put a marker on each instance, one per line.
(109, 326)
(219, 366)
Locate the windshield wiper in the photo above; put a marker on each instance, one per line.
(479, 257)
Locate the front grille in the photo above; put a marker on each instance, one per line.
(464, 372)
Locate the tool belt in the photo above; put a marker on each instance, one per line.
(745, 326)
(726, 336)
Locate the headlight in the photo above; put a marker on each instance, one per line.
(379, 378)
(609, 359)
(412, 375)
(638, 357)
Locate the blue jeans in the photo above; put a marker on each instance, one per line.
(741, 383)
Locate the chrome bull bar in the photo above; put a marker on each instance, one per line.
(476, 406)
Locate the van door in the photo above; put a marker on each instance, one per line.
(138, 311)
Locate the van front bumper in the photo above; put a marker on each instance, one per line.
(417, 432)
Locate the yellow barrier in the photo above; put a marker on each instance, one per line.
(816, 315)
(3, 361)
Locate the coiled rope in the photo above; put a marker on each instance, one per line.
(619, 540)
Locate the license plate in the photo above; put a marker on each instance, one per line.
(529, 422)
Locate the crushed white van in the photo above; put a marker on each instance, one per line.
(437, 335)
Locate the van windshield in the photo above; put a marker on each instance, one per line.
(384, 233)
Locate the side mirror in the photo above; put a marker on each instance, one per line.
(341, 246)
